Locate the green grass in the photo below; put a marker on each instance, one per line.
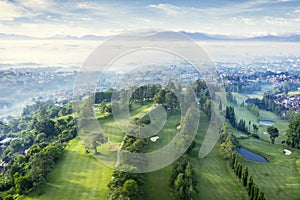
(139, 109)
(76, 175)
(243, 113)
(80, 176)
(166, 134)
(214, 179)
(110, 127)
(157, 184)
(279, 178)
(297, 165)
(282, 125)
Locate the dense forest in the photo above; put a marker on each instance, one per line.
(38, 139)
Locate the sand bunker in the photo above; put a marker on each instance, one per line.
(113, 147)
(178, 127)
(153, 139)
(287, 152)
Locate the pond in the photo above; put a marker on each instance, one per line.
(266, 122)
(249, 155)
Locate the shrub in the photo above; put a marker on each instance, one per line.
(255, 135)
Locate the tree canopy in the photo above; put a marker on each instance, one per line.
(293, 133)
(274, 133)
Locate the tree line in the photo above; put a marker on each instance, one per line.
(127, 185)
(245, 87)
(242, 173)
(182, 180)
(267, 103)
(242, 126)
(169, 96)
(293, 133)
(228, 147)
(33, 152)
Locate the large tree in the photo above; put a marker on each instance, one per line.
(85, 112)
(274, 133)
(293, 133)
(230, 115)
(131, 190)
(93, 140)
(46, 126)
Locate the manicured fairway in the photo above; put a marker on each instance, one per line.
(157, 184)
(76, 175)
(243, 113)
(214, 179)
(282, 125)
(279, 178)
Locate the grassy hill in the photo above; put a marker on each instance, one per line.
(76, 175)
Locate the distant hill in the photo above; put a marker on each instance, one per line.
(85, 37)
(15, 37)
(163, 35)
(55, 37)
(291, 38)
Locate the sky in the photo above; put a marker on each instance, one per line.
(42, 18)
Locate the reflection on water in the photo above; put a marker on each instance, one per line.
(250, 155)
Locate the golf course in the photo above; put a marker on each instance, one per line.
(79, 175)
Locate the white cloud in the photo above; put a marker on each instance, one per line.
(44, 18)
(169, 9)
(278, 21)
(86, 5)
(232, 9)
(48, 30)
(9, 12)
(285, 0)
(36, 4)
(249, 21)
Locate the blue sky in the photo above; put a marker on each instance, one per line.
(43, 18)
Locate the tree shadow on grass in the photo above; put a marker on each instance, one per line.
(66, 190)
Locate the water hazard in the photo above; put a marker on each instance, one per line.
(249, 155)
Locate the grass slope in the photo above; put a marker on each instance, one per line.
(279, 178)
(157, 184)
(243, 113)
(213, 177)
(75, 176)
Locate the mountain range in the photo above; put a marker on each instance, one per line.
(163, 35)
